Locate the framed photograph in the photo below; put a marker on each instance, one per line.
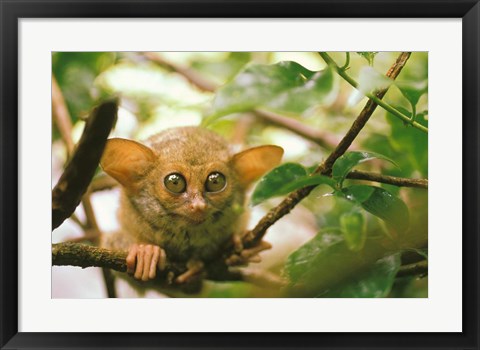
(239, 175)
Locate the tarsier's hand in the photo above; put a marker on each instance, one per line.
(242, 256)
(144, 259)
(194, 271)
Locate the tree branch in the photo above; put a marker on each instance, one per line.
(79, 172)
(191, 75)
(84, 255)
(256, 234)
(416, 269)
(320, 138)
(101, 183)
(386, 179)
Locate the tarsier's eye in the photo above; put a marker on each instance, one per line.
(175, 183)
(215, 182)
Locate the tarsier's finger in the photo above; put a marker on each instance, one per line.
(162, 260)
(131, 258)
(193, 269)
(254, 259)
(236, 260)
(147, 259)
(237, 243)
(260, 247)
(139, 270)
(153, 265)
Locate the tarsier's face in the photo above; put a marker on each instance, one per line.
(188, 174)
(196, 192)
(193, 172)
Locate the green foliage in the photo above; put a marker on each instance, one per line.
(305, 263)
(381, 203)
(347, 258)
(371, 80)
(369, 56)
(412, 91)
(354, 230)
(285, 179)
(75, 73)
(411, 145)
(222, 71)
(349, 160)
(314, 267)
(286, 81)
(377, 282)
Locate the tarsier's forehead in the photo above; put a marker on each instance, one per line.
(194, 145)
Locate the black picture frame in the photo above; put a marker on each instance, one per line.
(12, 11)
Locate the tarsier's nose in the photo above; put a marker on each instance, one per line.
(198, 204)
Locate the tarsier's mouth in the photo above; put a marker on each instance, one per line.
(195, 219)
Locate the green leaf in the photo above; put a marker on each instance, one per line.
(410, 143)
(278, 177)
(377, 282)
(422, 252)
(285, 87)
(380, 203)
(354, 230)
(412, 91)
(304, 261)
(307, 180)
(284, 179)
(369, 56)
(369, 81)
(325, 261)
(221, 71)
(349, 160)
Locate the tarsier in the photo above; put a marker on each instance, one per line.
(183, 198)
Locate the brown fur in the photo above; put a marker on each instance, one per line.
(149, 213)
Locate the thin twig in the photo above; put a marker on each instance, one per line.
(320, 138)
(386, 179)
(417, 269)
(93, 225)
(242, 128)
(89, 213)
(257, 233)
(102, 183)
(193, 77)
(91, 236)
(76, 220)
(61, 116)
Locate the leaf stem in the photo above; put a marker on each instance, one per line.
(326, 57)
(347, 61)
(414, 112)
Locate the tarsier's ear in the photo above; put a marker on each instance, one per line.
(126, 161)
(252, 163)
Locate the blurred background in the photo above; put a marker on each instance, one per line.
(254, 98)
